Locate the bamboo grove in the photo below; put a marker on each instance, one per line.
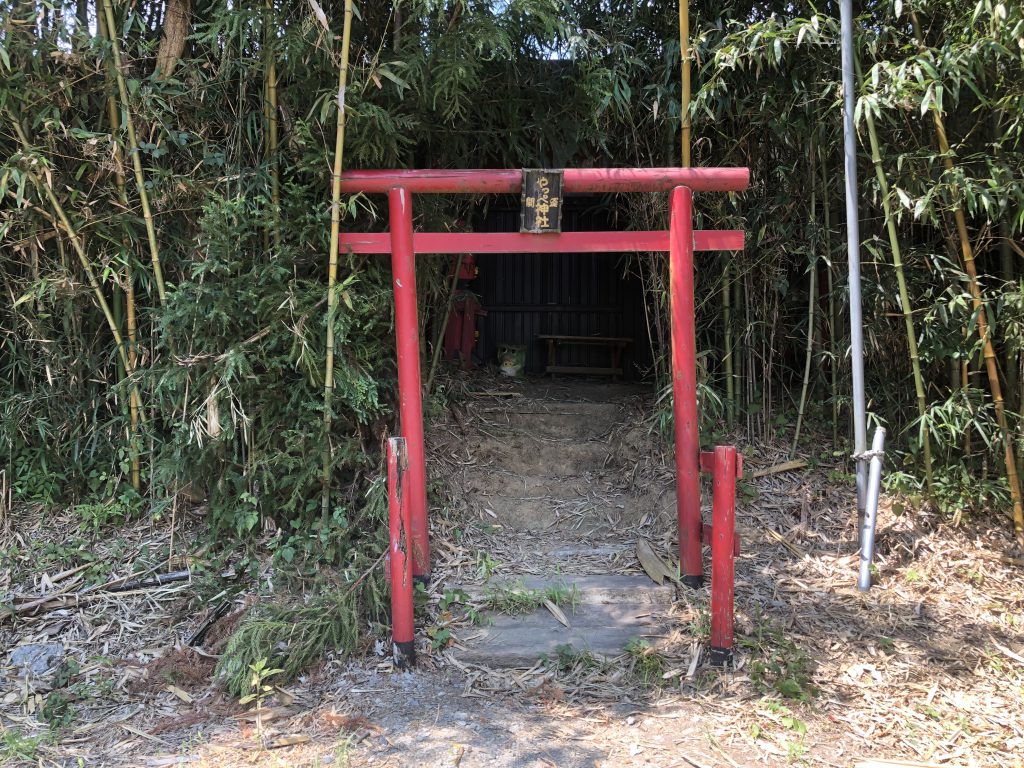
(177, 322)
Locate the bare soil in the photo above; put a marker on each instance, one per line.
(928, 666)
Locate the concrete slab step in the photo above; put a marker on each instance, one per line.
(611, 612)
(606, 589)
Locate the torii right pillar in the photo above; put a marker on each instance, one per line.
(684, 384)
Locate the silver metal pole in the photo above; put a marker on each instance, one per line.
(867, 529)
(860, 438)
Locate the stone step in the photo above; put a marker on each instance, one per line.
(606, 589)
(539, 513)
(565, 420)
(611, 612)
(594, 485)
(527, 455)
(534, 510)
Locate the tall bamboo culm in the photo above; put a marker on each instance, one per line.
(727, 361)
(967, 253)
(134, 402)
(908, 313)
(833, 323)
(812, 300)
(270, 120)
(133, 151)
(684, 75)
(332, 270)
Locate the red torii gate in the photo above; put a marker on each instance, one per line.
(680, 241)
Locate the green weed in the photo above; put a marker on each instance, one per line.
(517, 599)
(485, 565)
(570, 659)
(17, 747)
(778, 665)
(58, 711)
(648, 665)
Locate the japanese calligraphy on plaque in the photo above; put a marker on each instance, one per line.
(542, 201)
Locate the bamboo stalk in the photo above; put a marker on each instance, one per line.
(908, 312)
(684, 65)
(134, 402)
(270, 118)
(967, 253)
(332, 270)
(439, 336)
(739, 344)
(133, 151)
(727, 361)
(826, 204)
(1010, 364)
(966, 369)
(812, 298)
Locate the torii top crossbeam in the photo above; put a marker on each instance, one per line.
(574, 180)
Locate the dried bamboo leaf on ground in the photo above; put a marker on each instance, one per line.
(652, 564)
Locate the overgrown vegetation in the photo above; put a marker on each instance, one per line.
(165, 226)
(291, 637)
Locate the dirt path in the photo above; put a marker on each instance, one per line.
(928, 666)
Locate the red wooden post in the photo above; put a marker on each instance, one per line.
(402, 624)
(684, 385)
(410, 404)
(723, 527)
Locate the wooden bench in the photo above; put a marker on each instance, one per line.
(614, 344)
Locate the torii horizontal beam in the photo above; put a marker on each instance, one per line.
(519, 242)
(574, 180)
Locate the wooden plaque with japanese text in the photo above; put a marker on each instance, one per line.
(542, 201)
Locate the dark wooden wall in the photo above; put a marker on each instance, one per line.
(578, 294)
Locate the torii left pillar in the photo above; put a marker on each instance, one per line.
(410, 405)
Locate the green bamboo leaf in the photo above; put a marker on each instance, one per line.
(927, 100)
(387, 73)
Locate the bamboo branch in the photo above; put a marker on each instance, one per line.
(332, 272)
(76, 243)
